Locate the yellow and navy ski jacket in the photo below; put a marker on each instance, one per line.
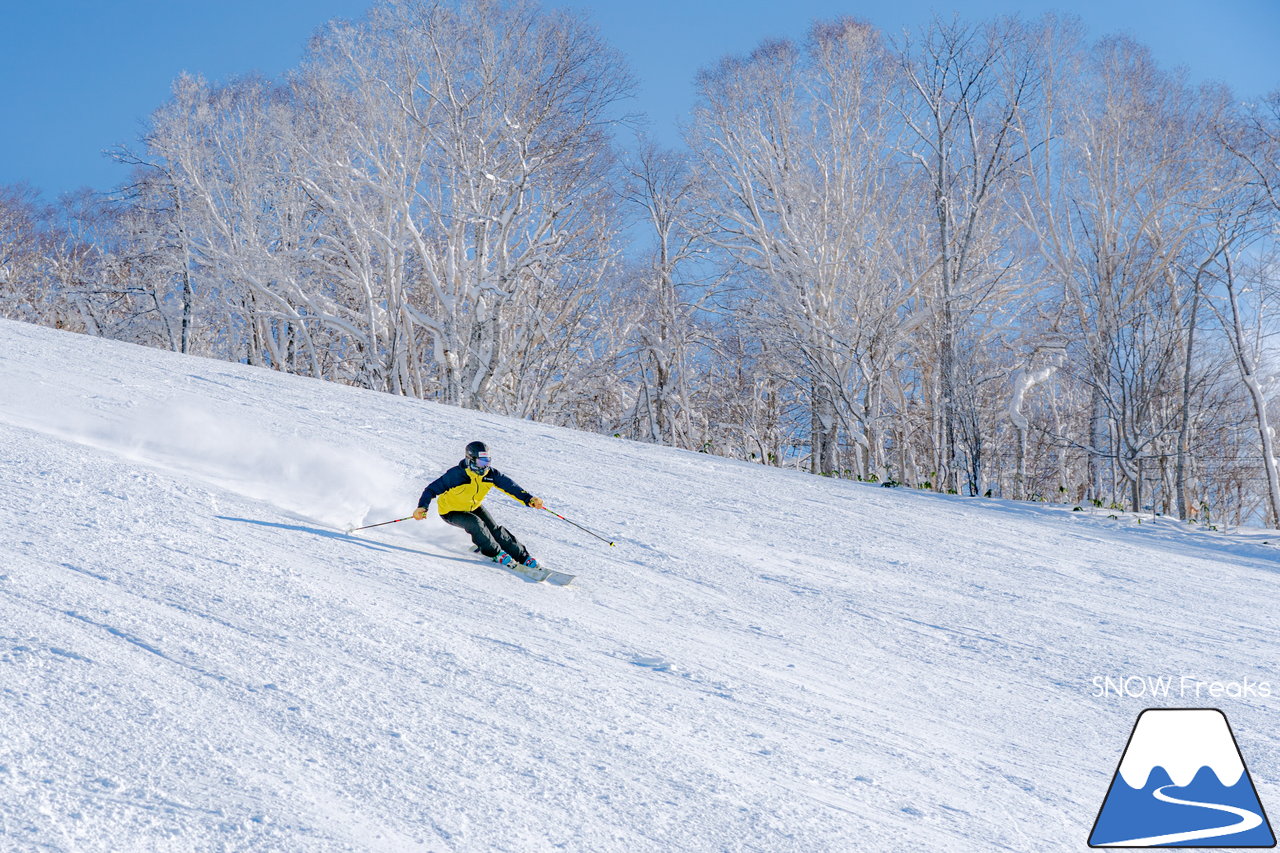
(462, 490)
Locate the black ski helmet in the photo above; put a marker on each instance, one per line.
(478, 457)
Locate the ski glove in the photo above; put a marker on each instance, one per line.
(420, 513)
(536, 503)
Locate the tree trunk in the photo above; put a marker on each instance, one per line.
(1184, 427)
(1249, 374)
(824, 430)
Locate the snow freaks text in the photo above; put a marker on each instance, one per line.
(1178, 687)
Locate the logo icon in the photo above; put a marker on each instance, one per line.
(1182, 782)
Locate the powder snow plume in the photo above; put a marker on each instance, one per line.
(313, 478)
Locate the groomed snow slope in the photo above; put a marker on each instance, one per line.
(193, 656)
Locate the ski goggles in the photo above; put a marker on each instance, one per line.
(479, 462)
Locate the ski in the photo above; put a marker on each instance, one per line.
(540, 574)
(558, 578)
(537, 575)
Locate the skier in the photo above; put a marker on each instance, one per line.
(461, 490)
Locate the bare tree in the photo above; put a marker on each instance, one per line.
(795, 148)
(214, 155)
(23, 247)
(1244, 263)
(1115, 203)
(669, 291)
(424, 208)
(1247, 332)
(965, 86)
(482, 142)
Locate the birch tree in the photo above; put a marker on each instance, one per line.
(1246, 328)
(669, 289)
(216, 152)
(1115, 207)
(485, 148)
(23, 250)
(793, 145)
(964, 89)
(1247, 306)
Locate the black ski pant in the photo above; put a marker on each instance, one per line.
(488, 536)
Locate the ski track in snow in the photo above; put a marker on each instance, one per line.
(193, 656)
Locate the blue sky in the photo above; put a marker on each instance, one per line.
(80, 76)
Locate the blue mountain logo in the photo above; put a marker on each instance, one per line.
(1182, 782)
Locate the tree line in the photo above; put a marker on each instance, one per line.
(989, 258)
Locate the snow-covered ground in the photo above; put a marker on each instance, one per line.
(194, 656)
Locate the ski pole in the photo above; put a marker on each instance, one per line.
(577, 525)
(379, 524)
